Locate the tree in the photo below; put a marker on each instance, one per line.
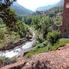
(5, 4)
(53, 36)
(58, 20)
(8, 15)
(9, 18)
(1, 21)
(45, 23)
(22, 28)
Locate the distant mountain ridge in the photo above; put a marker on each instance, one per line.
(44, 8)
(20, 9)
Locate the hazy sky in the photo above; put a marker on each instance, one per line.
(34, 4)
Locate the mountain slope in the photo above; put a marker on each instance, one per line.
(20, 9)
(44, 8)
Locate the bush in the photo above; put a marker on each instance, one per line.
(22, 28)
(1, 34)
(60, 43)
(42, 45)
(16, 37)
(53, 36)
(1, 21)
(39, 48)
(37, 51)
(58, 20)
(6, 61)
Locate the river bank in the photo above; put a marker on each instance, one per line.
(19, 47)
(14, 44)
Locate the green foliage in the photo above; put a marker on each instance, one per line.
(42, 45)
(54, 11)
(57, 20)
(60, 43)
(9, 18)
(1, 21)
(53, 36)
(9, 23)
(37, 51)
(40, 48)
(2, 43)
(7, 3)
(6, 61)
(48, 40)
(16, 37)
(45, 23)
(22, 28)
(39, 23)
(1, 34)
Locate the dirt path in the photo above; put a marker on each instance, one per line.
(58, 59)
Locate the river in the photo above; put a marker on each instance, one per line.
(21, 49)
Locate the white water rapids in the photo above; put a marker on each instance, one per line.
(21, 49)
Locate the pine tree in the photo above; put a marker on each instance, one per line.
(8, 15)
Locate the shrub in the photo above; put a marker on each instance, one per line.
(58, 20)
(22, 28)
(60, 43)
(39, 48)
(6, 61)
(42, 45)
(1, 34)
(37, 51)
(53, 36)
(1, 21)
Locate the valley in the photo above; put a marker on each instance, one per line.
(32, 40)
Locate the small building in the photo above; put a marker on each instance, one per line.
(65, 20)
(65, 26)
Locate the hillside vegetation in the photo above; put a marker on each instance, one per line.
(11, 28)
(14, 27)
(45, 24)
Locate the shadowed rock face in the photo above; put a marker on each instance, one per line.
(58, 59)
